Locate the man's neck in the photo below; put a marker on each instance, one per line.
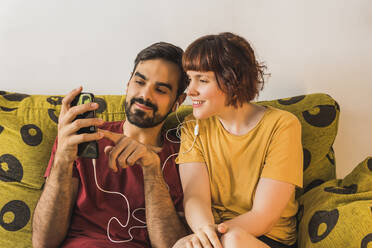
(147, 136)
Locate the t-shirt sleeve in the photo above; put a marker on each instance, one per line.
(284, 159)
(51, 160)
(190, 148)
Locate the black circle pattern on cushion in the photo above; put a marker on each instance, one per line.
(14, 171)
(52, 115)
(292, 100)
(337, 106)
(15, 97)
(299, 215)
(55, 100)
(366, 240)
(324, 118)
(5, 109)
(313, 184)
(307, 158)
(331, 156)
(345, 190)
(1, 129)
(34, 138)
(102, 104)
(21, 213)
(369, 164)
(330, 218)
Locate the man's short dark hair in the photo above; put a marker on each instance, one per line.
(168, 52)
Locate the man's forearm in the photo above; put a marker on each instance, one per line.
(163, 224)
(53, 211)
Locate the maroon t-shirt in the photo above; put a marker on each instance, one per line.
(94, 208)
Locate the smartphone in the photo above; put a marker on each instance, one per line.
(86, 149)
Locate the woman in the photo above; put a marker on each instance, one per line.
(239, 162)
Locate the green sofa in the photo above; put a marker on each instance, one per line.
(332, 213)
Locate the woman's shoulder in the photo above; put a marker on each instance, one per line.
(189, 117)
(190, 122)
(282, 117)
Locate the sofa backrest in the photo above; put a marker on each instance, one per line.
(28, 127)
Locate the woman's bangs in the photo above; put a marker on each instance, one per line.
(197, 58)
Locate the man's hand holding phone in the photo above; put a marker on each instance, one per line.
(69, 136)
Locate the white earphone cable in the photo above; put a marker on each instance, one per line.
(179, 126)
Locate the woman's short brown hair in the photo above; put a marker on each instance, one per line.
(232, 59)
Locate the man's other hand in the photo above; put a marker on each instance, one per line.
(128, 151)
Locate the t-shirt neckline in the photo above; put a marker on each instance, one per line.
(268, 109)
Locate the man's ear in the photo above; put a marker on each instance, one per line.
(179, 100)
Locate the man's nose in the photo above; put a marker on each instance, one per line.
(146, 94)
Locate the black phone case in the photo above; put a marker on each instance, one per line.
(86, 149)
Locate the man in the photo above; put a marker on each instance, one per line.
(110, 201)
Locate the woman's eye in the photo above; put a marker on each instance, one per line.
(203, 80)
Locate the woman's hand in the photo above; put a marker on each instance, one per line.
(189, 241)
(206, 237)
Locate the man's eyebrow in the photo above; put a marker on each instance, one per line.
(165, 85)
(169, 86)
(138, 74)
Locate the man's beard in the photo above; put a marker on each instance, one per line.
(138, 117)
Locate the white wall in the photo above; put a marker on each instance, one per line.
(50, 47)
(319, 46)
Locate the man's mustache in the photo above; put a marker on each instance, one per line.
(143, 102)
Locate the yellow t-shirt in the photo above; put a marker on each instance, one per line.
(272, 149)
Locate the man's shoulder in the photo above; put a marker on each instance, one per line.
(171, 140)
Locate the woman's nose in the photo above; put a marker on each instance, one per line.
(192, 89)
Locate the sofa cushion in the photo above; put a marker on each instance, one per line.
(28, 126)
(338, 213)
(319, 115)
